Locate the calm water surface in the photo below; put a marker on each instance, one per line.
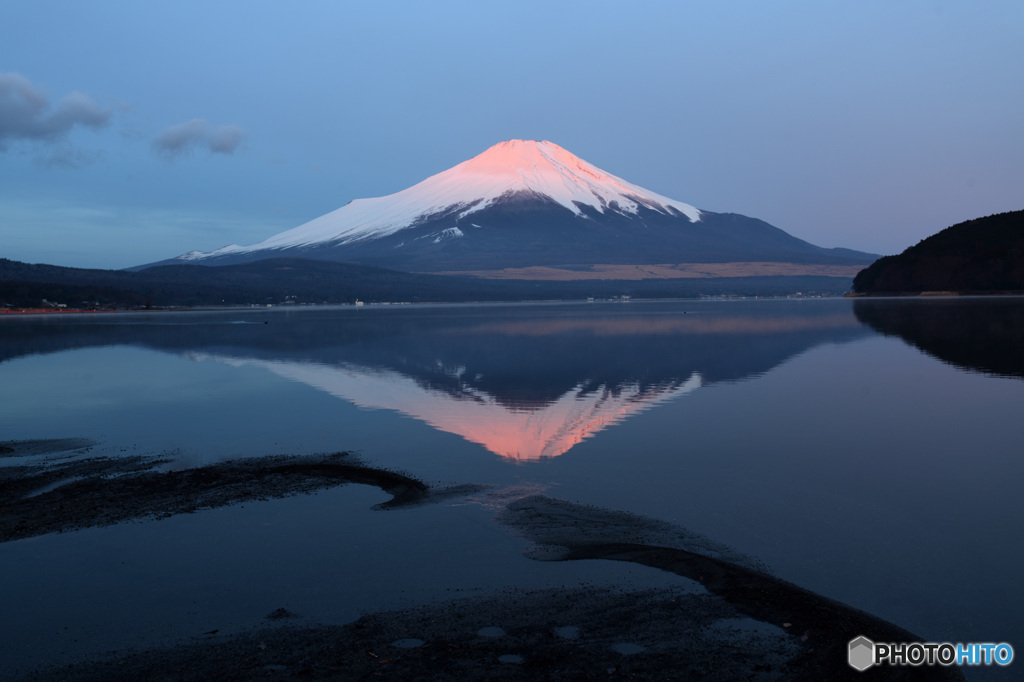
(867, 450)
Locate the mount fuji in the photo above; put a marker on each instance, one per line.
(526, 204)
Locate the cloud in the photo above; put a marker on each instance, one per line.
(66, 155)
(181, 139)
(26, 112)
(225, 140)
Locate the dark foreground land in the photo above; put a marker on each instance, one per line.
(730, 620)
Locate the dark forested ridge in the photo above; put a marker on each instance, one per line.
(985, 255)
(289, 280)
(270, 281)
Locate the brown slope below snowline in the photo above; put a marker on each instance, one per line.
(676, 632)
(607, 271)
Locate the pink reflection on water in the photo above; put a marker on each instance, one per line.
(522, 433)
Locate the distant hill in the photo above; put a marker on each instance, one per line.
(281, 280)
(269, 281)
(985, 255)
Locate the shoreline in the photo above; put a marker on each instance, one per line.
(934, 294)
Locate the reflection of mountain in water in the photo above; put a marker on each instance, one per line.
(978, 334)
(533, 432)
(524, 382)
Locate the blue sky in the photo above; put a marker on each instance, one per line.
(132, 132)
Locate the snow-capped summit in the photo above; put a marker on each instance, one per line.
(541, 168)
(508, 168)
(525, 203)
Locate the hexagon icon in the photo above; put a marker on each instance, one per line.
(862, 653)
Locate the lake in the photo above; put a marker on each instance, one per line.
(867, 450)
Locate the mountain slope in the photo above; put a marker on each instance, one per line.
(981, 255)
(525, 203)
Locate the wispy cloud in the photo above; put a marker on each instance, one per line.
(66, 155)
(27, 114)
(181, 139)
